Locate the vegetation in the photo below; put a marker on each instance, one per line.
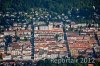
(0, 56)
(76, 10)
(8, 41)
(55, 5)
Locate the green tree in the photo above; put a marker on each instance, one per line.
(1, 56)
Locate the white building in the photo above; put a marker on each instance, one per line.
(43, 27)
(7, 57)
(50, 26)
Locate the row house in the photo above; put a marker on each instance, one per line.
(10, 32)
(83, 25)
(24, 32)
(1, 39)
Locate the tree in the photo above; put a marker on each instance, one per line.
(47, 62)
(56, 37)
(16, 38)
(40, 63)
(96, 38)
(8, 41)
(0, 56)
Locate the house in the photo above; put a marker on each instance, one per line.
(43, 27)
(10, 32)
(1, 39)
(27, 58)
(7, 57)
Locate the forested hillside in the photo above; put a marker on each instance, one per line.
(55, 5)
(76, 10)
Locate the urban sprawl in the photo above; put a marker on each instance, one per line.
(41, 36)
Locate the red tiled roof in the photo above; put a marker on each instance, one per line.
(15, 46)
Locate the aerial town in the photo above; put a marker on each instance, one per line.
(49, 32)
(38, 39)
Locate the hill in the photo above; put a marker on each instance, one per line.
(55, 5)
(76, 10)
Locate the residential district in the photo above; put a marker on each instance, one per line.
(48, 40)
